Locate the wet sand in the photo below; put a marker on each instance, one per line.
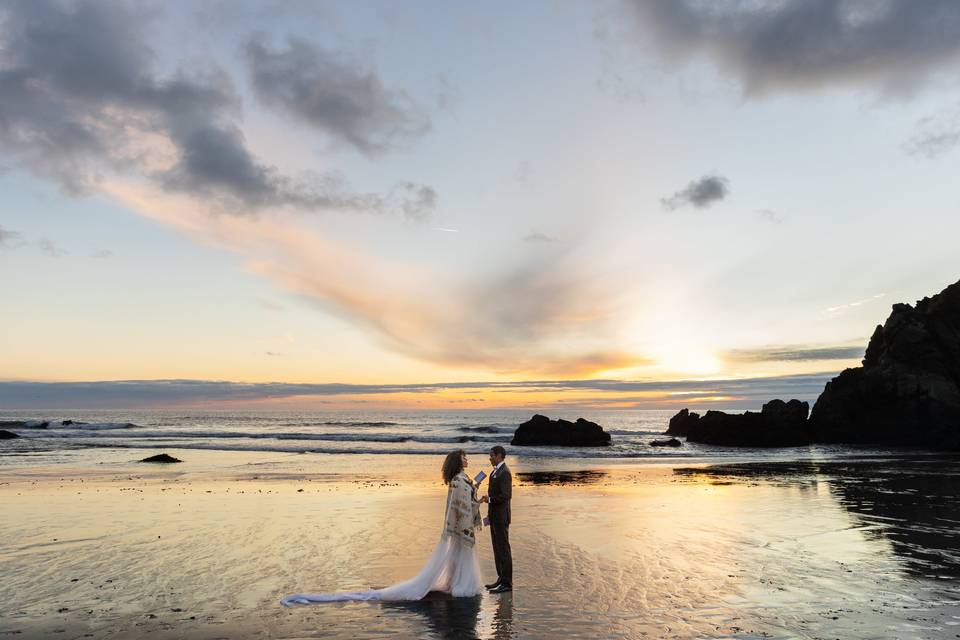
(107, 548)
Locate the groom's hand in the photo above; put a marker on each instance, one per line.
(485, 499)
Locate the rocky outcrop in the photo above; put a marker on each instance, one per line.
(542, 431)
(680, 423)
(161, 458)
(908, 390)
(7, 435)
(672, 442)
(779, 424)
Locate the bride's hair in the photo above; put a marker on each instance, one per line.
(452, 465)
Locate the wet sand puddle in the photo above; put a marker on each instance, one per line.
(810, 550)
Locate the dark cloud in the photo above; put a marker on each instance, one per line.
(26, 395)
(775, 44)
(328, 91)
(81, 96)
(10, 238)
(699, 193)
(794, 353)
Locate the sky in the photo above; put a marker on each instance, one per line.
(629, 203)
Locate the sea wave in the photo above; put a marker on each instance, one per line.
(525, 452)
(216, 435)
(65, 424)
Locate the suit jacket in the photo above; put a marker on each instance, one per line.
(500, 490)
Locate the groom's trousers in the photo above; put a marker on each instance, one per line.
(502, 558)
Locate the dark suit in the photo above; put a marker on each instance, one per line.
(500, 490)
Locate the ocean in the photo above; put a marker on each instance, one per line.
(369, 432)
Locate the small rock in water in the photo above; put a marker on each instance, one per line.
(672, 442)
(7, 435)
(161, 458)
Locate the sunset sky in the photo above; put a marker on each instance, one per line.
(555, 202)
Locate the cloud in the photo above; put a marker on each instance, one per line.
(10, 238)
(82, 98)
(935, 135)
(699, 193)
(799, 44)
(771, 216)
(332, 93)
(543, 315)
(841, 308)
(103, 254)
(536, 236)
(748, 392)
(795, 353)
(50, 249)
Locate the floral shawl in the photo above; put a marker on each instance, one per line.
(463, 511)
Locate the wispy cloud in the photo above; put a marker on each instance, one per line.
(537, 236)
(541, 315)
(146, 393)
(771, 216)
(103, 254)
(936, 135)
(774, 45)
(700, 193)
(795, 353)
(840, 308)
(9, 239)
(50, 249)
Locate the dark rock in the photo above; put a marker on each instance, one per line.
(672, 442)
(779, 424)
(542, 431)
(680, 423)
(67, 422)
(7, 435)
(908, 390)
(161, 458)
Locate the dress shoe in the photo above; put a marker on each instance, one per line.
(493, 585)
(501, 588)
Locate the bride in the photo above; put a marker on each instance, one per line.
(453, 566)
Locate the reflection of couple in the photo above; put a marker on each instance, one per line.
(453, 566)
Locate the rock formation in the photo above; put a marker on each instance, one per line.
(542, 431)
(779, 424)
(680, 423)
(161, 458)
(672, 442)
(908, 390)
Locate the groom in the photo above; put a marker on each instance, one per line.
(499, 492)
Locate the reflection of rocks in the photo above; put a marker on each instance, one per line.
(7, 435)
(908, 390)
(585, 476)
(446, 617)
(542, 431)
(912, 502)
(779, 424)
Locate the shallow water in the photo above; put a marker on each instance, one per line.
(851, 549)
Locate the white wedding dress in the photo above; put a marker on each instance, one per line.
(452, 567)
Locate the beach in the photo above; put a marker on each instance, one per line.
(106, 547)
